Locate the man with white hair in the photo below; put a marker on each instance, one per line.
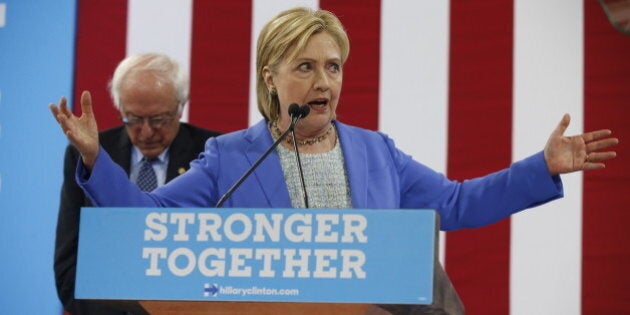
(152, 145)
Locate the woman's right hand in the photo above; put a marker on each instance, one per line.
(82, 131)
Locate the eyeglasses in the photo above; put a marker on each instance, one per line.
(155, 122)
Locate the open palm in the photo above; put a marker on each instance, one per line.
(565, 154)
(81, 131)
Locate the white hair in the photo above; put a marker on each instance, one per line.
(165, 69)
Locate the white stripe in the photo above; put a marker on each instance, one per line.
(546, 248)
(413, 97)
(263, 11)
(162, 26)
(3, 14)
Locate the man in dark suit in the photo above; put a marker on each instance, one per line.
(153, 146)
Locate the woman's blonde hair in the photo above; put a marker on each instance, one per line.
(288, 29)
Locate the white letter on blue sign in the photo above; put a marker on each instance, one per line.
(352, 260)
(354, 224)
(324, 228)
(303, 231)
(290, 261)
(262, 223)
(267, 254)
(190, 263)
(209, 223)
(156, 231)
(322, 263)
(238, 267)
(182, 219)
(217, 266)
(247, 227)
(153, 254)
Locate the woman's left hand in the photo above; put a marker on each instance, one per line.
(565, 154)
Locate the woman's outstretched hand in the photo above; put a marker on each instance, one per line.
(82, 131)
(565, 154)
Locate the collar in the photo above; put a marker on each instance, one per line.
(136, 155)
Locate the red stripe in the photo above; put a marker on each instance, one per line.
(100, 45)
(606, 255)
(480, 126)
(221, 44)
(359, 99)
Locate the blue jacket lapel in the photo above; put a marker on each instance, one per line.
(269, 173)
(271, 178)
(354, 154)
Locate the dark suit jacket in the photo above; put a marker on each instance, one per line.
(186, 146)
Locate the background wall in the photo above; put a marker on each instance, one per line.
(36, 68)
(466, 87)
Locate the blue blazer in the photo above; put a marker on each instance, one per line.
(380, 177)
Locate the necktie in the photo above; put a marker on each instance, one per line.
(147, 181)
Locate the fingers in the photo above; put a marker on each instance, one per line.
(593, 166)
(86, 103)
(61, 112)
(562, 125)
(595, 157)
(55, 111)
(594, 160)
(63, 102)
(63, 115)
(63, 107)
(597, 134)
(592, 145)
(601, 144)
(64, 122)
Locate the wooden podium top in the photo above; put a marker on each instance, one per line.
(258, 308)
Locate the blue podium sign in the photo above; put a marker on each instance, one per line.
(261, 255)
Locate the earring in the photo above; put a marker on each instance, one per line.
(273, 92)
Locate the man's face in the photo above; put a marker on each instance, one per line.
(150, 109)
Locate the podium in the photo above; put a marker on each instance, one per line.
(263, 261)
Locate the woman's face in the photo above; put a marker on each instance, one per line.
(314, 77)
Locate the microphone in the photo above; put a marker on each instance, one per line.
(304, 110)
(296, 112)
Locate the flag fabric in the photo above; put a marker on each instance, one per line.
(465, 87)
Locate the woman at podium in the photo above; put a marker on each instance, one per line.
(300, 60)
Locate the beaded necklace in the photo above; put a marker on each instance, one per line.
(277, 133)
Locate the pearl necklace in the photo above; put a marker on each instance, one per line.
(277, 133)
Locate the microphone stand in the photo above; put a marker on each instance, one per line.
(294, 121)
(299, 164)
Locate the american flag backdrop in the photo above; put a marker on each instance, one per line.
(465, 86)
